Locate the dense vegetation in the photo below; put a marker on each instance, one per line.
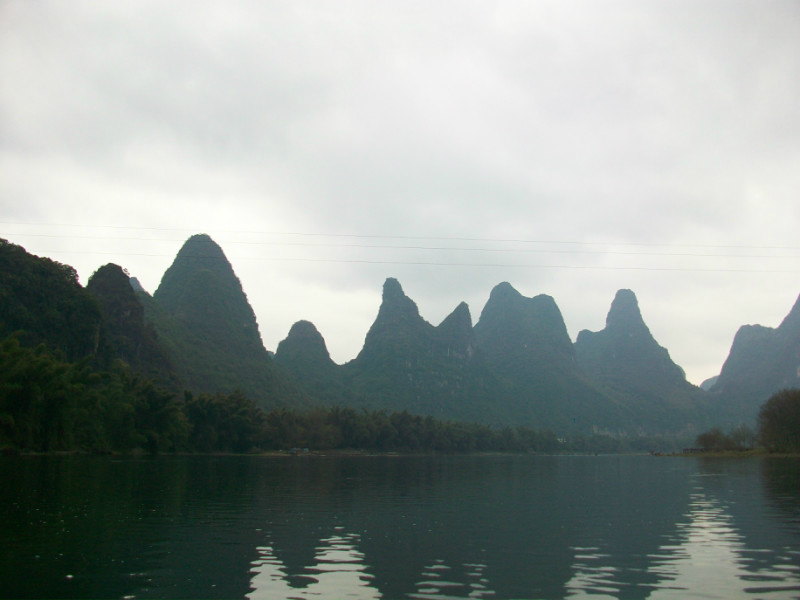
(48, 404)
(43, 298)
(778, 428)
(104, 368)
(779, 422)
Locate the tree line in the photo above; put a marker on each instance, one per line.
(48, 404)
(778, 428)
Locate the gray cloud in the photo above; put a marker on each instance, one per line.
(629, 144)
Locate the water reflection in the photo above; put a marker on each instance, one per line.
(706, 557)
(338, 572)
(628, 528)
(706, 563)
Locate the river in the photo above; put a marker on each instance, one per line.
(528, 527)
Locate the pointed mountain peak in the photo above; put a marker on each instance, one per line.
(201, 246)
(392, 289)
(458, 320)
(503, 291)
(625, 313)
(395, 303)
(456, 332)
(462, 313)
(398, 317)
(199, 254)
(304, 346)
(625, 353)
(202, 290)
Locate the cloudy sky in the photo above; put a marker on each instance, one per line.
(570, 148)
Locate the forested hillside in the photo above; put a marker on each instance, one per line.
(109, 367)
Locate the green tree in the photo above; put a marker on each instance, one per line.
(779, 422)
(714, 439)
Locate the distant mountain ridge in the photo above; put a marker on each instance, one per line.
(515, 366)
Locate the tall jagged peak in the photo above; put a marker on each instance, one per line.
(624, 314)
(392, 289)
(395, 303)
(459, 318)
(625, 351)
(455, 331)
(398, 317)
(199, 257)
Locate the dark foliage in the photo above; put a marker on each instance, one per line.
(47, 404)
(715, 440)
(779, 422)
(44, 299)
(125, 335)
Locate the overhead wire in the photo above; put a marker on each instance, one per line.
(588, 249)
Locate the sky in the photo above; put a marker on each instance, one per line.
(571, 148)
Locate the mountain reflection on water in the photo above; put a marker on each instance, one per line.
(400, 527)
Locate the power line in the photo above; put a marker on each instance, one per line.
(388, 237)
(448, 264)
(418, 247)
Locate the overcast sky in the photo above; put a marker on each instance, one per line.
(569, 148)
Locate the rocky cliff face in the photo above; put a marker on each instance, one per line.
(762, 361)
(628, 362)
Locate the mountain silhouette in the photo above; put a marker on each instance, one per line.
(515, 366)
(202, 315)
(628, 362)
(762, 361)
(125, 335)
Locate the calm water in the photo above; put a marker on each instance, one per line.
(400, 527)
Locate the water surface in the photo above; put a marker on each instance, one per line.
(400, 527)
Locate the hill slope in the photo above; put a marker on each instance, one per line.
(44, 299)
(626, 360)
(762, 361)
(203, 318)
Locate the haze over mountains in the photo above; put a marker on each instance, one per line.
(515, 365)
